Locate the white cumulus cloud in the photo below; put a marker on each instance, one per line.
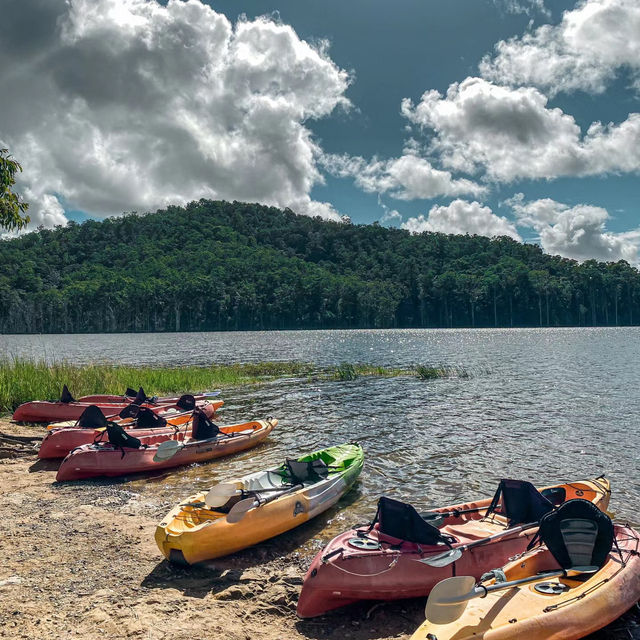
(132, 104)
(512, 134)
(577, 232)
(408, 177)
(585, 51)
(462, 217)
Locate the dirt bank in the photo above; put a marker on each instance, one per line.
(79, 560)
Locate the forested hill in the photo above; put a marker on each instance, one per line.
(218, 265)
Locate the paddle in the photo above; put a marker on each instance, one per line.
(446, 558)
(239, 509)
(221, 493)
(448, 599)
(166, 450)
(169, 448)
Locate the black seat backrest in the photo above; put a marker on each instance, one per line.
(66, 395)
(555, 495)
(147, 419)
(141, 397)
(577, 533)
(400, 520)
(301, 471)
(203, 428)
(92, 418)
(130, 411)
(130, 393)
(519, 501)
(186, 402)
(118, 437)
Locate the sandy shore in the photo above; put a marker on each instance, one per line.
(80, 561)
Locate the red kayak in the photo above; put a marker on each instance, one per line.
(64, 437)
(371, 564)
(67, 408)
(106, 459)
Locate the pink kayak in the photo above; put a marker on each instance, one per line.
(367, 564)
(92, 460)
(64, 437)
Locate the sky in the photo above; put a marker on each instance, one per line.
(490, 117)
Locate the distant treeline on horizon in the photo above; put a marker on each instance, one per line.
(232, 266)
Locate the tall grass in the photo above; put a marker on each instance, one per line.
(24, 380)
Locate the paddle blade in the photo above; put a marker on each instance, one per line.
(443, 559)
(220, 494)
(239, 509)
(211, 394)
(440, 609)
(166, 450)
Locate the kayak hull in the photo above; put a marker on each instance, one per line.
(103, 459)
(63, 439)
(343, 573)
(190, 534)
(43, 411)
(523, 612)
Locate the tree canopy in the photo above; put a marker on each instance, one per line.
(225, 266)
(12, 207)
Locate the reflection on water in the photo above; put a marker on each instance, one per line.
(542, 405)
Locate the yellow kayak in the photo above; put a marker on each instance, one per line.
(259, 506)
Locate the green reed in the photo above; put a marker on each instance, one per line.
(23, 380)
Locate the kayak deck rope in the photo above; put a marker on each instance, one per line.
(369, 575)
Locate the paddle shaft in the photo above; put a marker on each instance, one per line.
(481, 591)
(498, 536)
(440, 560)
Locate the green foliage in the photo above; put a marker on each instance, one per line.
(12, 207)
(231, 266)
(345, 372)
(432, 373)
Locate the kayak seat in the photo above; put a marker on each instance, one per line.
(518, 501)
(130, 411)
(186, 402)
(555, 495)
(400, 520)
(66, 396)
(577, 534)
(299, 472)
(147, 419)
(203, 428)
(92, 418)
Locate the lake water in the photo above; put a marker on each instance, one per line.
(543, 405)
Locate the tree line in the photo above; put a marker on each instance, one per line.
(232, 266)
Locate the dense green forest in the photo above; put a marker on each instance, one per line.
(226, 266)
